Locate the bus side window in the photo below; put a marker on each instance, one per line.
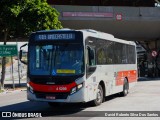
(91, 57)
(90, 61)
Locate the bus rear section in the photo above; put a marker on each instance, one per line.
(111, 66)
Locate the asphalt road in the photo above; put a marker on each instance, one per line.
(145, 96)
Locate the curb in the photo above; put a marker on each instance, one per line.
(13, 91)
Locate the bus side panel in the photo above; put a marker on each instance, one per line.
(91, 85)
(105, 74)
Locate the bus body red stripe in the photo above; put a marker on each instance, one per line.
(131, 76)
(52, 88)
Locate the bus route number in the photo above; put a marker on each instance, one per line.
(61, 88)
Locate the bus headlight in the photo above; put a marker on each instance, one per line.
(75, 89)
(80, 86)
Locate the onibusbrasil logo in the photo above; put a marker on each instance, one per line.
(20, 115)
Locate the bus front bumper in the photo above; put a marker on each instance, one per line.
(76, 97)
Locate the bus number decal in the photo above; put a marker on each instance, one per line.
(61, 88)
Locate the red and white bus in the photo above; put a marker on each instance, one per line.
(71, 66)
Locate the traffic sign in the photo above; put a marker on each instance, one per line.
(118, 16)
(154, 53)
(8, 50)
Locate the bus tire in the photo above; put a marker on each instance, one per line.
(125, 88)
(99, 96)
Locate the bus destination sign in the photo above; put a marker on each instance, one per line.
(63, 36)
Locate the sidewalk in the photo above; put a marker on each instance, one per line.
(18, 71)
(8, 86)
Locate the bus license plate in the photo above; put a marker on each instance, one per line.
(50, 97)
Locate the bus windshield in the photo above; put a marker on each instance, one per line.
(56, 60)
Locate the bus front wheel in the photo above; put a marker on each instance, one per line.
(99, 96)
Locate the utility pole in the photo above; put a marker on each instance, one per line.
(12, 72)
(19, 77)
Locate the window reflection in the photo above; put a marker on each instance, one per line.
(56, 59)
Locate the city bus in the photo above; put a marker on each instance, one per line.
(73, 66)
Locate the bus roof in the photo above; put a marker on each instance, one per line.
(102, 35)
(93, 33)
(53, 30)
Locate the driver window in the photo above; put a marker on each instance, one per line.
(90, 56)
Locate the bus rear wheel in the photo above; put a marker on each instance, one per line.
(99, 96)
(125, 88)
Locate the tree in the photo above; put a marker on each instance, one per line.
(18, 18)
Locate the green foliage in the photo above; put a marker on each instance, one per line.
(40, 16)
(1, 91)
(21, 17)
(18, 18)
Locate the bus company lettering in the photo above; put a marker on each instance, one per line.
(25, 115)
(61, 88)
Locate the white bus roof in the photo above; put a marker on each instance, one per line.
(93, 33)
(102, 35)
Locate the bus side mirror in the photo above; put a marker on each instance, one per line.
(20, 55)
